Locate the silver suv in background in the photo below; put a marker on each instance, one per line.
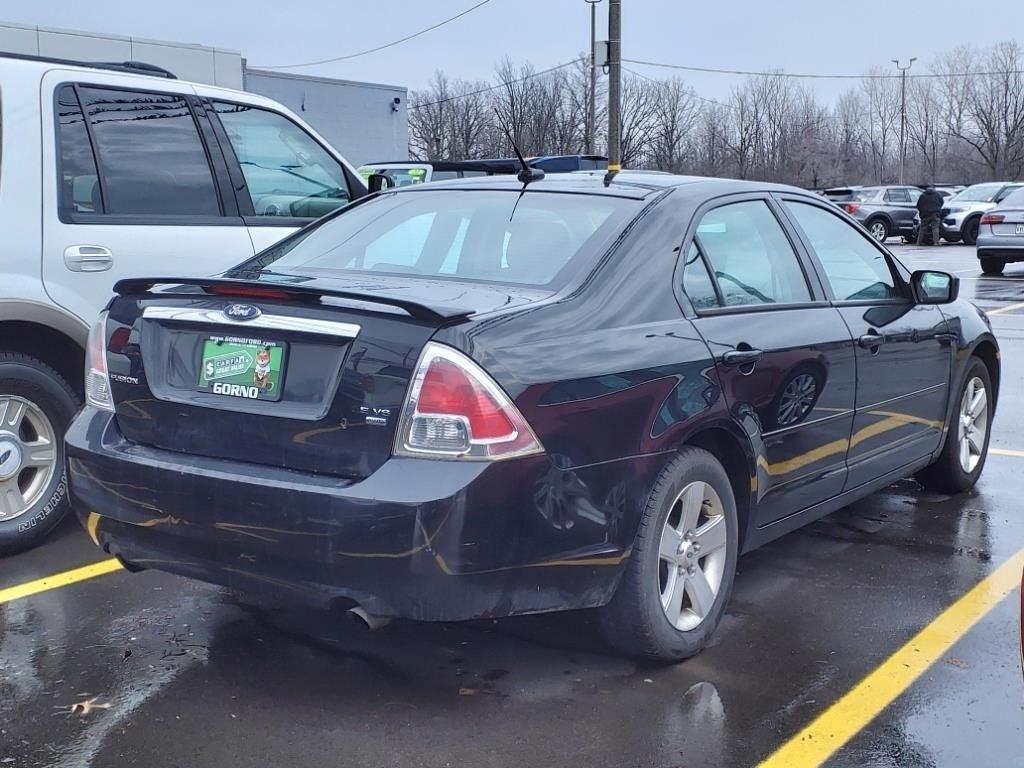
(114, 171)
(962, 214)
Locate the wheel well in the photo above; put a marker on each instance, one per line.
(986, 351)
(58, 351)
(726, 447)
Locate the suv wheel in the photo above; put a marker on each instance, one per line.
(680, 573)
(992, 266)
(36, 406)
(969, 231)
(879, 230)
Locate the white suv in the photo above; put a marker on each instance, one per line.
(115, 171)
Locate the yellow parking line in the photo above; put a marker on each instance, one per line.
(838, 724)
(1006, 452)
(58, 580)
(1007, 308)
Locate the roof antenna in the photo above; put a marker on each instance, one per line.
(526, 173)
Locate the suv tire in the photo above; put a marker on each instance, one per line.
(36, 407)
(969, 231)
(878, 229)
(636, 621)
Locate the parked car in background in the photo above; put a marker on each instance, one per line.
(107, 172)
(1001, 234)
(885, 211)
(405, 173)
(963, 211)
(581, 392)
(840, 195)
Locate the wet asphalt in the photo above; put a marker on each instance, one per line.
(168, 672)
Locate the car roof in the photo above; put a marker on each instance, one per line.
(637, 185)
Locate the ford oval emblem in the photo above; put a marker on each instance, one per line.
(241, 312)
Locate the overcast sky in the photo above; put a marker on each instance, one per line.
(798, 36)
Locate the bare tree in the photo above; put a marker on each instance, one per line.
(676, 112)
(882, 100)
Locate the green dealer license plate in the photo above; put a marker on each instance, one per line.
(246, 368)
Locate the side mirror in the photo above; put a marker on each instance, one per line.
(932, 287)
(379, 181)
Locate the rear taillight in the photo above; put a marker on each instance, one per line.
(992, 218)
(851, 207)
(97, 383)
(454, 410)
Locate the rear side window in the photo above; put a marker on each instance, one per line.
(697, 282)
(854, 267)
(150, 154)
(897, 195)
(287, 172)
(80, 186)
(750, 255)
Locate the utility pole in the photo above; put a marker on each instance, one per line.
(592, 107)
(614, 85)
(903, 110)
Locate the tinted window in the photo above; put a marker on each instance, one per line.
(80, 188)
(751, 256)
(479, 235)
(697, 282)
(854, 267)
(287, 172)
(897, 195)
(152, 158)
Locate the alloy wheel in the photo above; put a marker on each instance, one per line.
(797, 399)
(878, 231)
(28, 455)
(973, 424)
(692, 555)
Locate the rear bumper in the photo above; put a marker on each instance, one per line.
(425, 540)
(1006, 247)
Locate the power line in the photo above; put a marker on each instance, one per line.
(819, 76)
(496, 87)
(379, 47)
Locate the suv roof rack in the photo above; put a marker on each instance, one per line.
(132, 67)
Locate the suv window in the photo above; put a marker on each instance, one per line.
(750, 255)
(287, 172)
(150, 154)
(897, 195)
(853, 266)
(80, 187)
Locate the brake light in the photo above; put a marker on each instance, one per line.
(992, 218)
(851, 207)
(97, 383)
(455, 410)
(248, 291)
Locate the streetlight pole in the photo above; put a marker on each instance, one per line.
(592, 107)
(614, 85)
(903, 110)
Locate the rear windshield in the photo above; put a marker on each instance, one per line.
(536, 239)
(868, 194)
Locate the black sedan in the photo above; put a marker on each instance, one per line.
(478, 399)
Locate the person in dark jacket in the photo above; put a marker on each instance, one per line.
(929, 205)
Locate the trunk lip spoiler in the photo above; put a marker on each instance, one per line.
(415, 309)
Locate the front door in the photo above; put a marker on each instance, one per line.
(783, 354)
(903, 351)
(128, 190)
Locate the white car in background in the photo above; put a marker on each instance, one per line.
(109, 171)
(962, 212)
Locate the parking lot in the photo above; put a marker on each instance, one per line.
(816, 661)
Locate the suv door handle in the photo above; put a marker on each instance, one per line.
(88, 258)
(742, 357)
(869, 340)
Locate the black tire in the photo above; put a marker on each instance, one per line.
(952, 239)
(992, 266)
(969, 231)
(881, 225)
(634, 621)
(946, 474)
(25, 377)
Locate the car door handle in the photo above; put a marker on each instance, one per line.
(88, 258)
(869, 340)
(742, 357)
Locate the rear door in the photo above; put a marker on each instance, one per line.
(284, 176)
(133, 184)
(902, 208)
(904, 354)
(783, 354)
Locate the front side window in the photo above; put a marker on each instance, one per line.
(150, 154)
(856, 269)
(750, 255)
(287, 172)
(494, 236)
